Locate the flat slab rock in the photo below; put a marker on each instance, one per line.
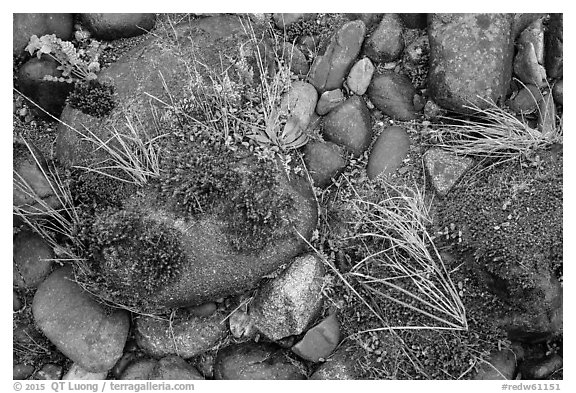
(445, 169)
(79, 326)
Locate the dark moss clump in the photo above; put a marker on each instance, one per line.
(203, 177)
(132, 256)
(92, 98)
(511, 219)
(92, 190)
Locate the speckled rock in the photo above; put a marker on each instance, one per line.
(112, 26)
(298, 104)
(320, 341)
(22, 371)
(558, 92)
(283, 20)
(26, 25)
(527, 68)
(349, 125)
(49, 372)
(325, 161)
(470, 59)
(50, 96)
(501, 365)
(360, 76)
(445, 169)
(554, 38)
(388, 152)
(340, 365)
(78, 373)
(31, 259)
(329, 100)
(139, 370)
(414, 20)
(288, 304)
(526, 100)
(79, 326)
(173, 368)
(393, 94)
(293, 57)
(386, 43)
(541, 368)
(547, 113)
(251, 361)
(186, 336)
(329, 69)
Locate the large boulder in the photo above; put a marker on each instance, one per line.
(112, 26)
(470, 59)
(80, 327)
(25, 26)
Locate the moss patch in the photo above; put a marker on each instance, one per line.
(92, 98)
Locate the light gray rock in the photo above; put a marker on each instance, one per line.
(360, 76)
(527, 68)
(78, 373)
(328, 101)
(534, 34)
(298, 104)
(79, 326)
(445, 169)
(289, 303)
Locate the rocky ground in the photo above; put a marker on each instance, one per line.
(288, 196)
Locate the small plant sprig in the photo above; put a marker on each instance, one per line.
(76, 64)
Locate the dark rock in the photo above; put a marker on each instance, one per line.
(445, 169)
(329, 100)
(340, 365)
(329, 69)
(414, 20)
(522, 21)
(541, 368)
(470, 59)
(16, 302)
(112, 26)
(139, 370)
(526, 66)
(349, 125)
(388, 152)
(22, 371)
(31, 259)
(360, 76)
(289, 303)
(554, 38)
(500, 365)
(325, 161)
(558, 92)
(77, 373)
(49, 372)
(122, 364)
(284, 20)
(173, 368)
(185, 336)
(294, 58)
(386, 43)
(547, 114)
(81, 328)
(393, 94)
(320, 341)
(526, 101)
(203, 310)
(25, 26)
(248, 361)
(370, 20)
(48, 95)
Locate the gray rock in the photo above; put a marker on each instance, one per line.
(288, 304)
(386, 43)
(445, 169)
(298, 104)
(522, 21)
(22, 371)
(388, 152)
(369, 19)
(26, 25)
(526, 66)
(558, 92)
(526, 101)
(79, 326)
(360, 76)
(139, 370)
(328, 101)
(554, 38)
(77, 373)
(31, 259)
(174, 368)
(393, 94)
(542, 368)
(340, 365)
(293, 57)
(250, 361)
(349, 125)
(48, 95)
(284, 20)
(49, 372)
(325, 161)
(320, 341)
(329, 69)
(500, 365)
(203, 310)
(185, 336)
(414, 20)
(470, 59)
(112, 26)
(534, 34)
